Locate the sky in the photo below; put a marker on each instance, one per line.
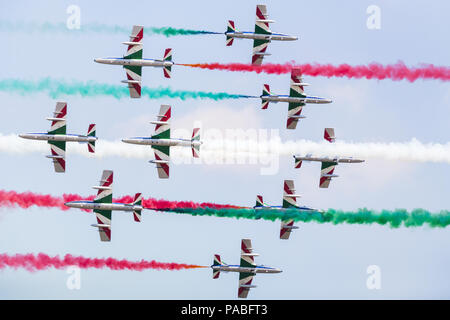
(319, 261)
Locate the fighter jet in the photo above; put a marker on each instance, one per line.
(57, 137)
(289, 203)
(328, 164)
(247, 268)
(161, 142)
(261, 37)
(103, 205)
(297, 98)
(133, 62)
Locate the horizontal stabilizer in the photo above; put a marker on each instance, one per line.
(55, 157)
(130, 43)
(101, 225)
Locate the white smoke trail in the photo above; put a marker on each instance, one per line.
(229, 151)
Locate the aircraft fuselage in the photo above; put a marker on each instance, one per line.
(280, 208)
(103, 206)
(58, 137)
(135, 62)
(328, 159)
(259, 36)
(237, 268)
(162, 142)
(289, 99)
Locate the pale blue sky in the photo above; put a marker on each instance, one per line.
(319, 261)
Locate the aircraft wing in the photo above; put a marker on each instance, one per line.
(286, 229)
(245, 284)
(58, 150)
(326, 173)
(294, 114)
(104, 224)
(162, 131)
(134, 51)
(162, 159)
(261, 27)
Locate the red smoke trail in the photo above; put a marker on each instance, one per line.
(28, 199)
(398, 71)
(41, 261)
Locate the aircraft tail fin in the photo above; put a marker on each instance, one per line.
(195, 140)
(265, 92)
(297, 163)
(91, 133)
(217, 261)
(167, 57)
(259, 202)
(137, 214)
(230, 28)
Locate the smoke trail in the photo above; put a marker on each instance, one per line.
(25, 200)
(398, 71)
(42, 261)
(245, 150)
(32, 27)
(59, 88)
(393, 218)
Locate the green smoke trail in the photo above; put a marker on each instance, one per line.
(58, 88)
(393, 218)
(31, 27)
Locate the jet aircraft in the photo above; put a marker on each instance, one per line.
(103, 206)
(133, 62)
(297, 98)
(247, 268)
(328, 163)
(261, 37)
(57, 137)
(161, 142)
(289, 203)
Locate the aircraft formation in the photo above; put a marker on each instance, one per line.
(161, 142)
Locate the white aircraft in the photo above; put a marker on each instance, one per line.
(297, 98)
(261, 37)
(328, 163)
(133, 62)
(103, 205)
(289, 203)
(57, 137)
(247, 268)
(161, 142)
